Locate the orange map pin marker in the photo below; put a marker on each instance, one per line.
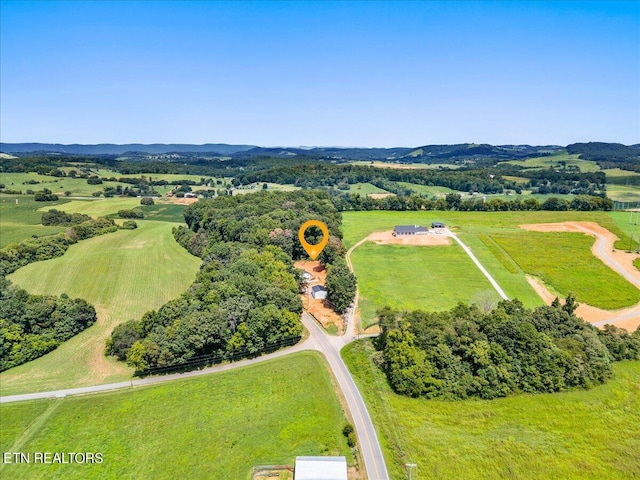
(313, 250)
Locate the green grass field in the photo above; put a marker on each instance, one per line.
(431, 191)
(217, 426)
(554, 161)
(412, 277)
(624, 193)
(257, 187)
(364, 189)
(99, 207)
(565, 261)
(123, 274)
(574, 435)
(478, 231)
(21, 220)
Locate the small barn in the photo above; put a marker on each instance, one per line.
(437, 225)
(409, 230)
(319, 292)
(320, 468)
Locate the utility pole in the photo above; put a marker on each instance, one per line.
(411, 466)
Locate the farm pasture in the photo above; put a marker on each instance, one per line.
(123, 274)
(214, 426)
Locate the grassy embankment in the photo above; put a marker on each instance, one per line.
(477, 229)
(572, 435)
(123, 274)
(215, 426)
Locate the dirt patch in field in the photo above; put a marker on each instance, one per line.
(381, 195)
(320, 309)
(627, 318)
(431, 239)
(180, 201)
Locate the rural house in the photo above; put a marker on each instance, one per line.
(318, 292)
(409, 230)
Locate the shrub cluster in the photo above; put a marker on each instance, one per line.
(467, 353)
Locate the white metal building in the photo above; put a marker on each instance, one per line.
(320, 468)
(319, 292)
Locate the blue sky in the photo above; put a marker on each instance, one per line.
(320, 73)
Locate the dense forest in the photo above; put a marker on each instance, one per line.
(466, 352)
(245, 299)
(609, 155)
(32, 325)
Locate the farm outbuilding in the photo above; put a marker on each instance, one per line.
(409, 230)
(437, 225)
(318, 292)
(320, 468)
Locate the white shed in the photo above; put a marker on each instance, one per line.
(318, 292)
(320, 468)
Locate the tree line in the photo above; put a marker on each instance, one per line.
(32, 325)
(245, 298)
(465, 352)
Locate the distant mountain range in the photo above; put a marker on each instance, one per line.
(431, 152)
(114, 149)
(456, 153)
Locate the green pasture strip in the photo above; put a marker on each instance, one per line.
(554, 161)
(257, 187)
(123, 274)
(512, 178)
(564, 261)
(19, 221)
(502, 256)
(16, 418)
(100, 207)
(636, 263)
(365, 189)
(572, 435)
(358, 225)
(432, 191)
(216, 426)
(629, 224)
(414, 277)
(514, 284)
(164, 212)
(621, 177)
(624, 193)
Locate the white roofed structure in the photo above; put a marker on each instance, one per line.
(320, 468)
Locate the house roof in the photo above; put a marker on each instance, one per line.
(409, 229)
(318, 288)
(321, 468)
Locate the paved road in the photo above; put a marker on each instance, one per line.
(372, 459)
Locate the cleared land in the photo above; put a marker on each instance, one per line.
(365, 189)
(565, 261)
(554, 161)
(123, 274)
(580, 434)
(98, 208)
(412, 277)
(229, 422)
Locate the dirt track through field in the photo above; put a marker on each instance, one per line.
(603, 248)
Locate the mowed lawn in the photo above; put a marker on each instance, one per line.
(216, 426)
(573, 435)
(123, 274)
(564, 261)
(415, 277)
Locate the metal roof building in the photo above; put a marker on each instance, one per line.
(320, 468)
(409, 230)
(319, 292)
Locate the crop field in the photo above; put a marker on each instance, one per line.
(565, 261)
(21, 220)
(215, 426)
(573, 435)
(123, 274)
(412, 277)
